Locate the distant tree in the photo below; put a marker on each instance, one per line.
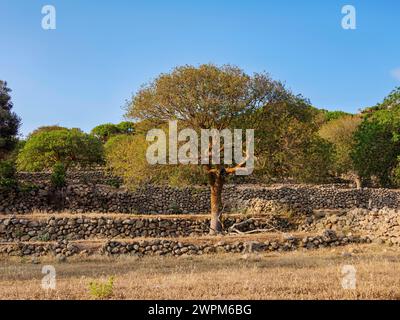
(105, 131)
(392, 100)
(108, 130)
(126, 127)
(9, 122)
(46, 129)
(67, 147)
(377, 147)
(340, 132)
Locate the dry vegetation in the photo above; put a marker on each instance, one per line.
(295, 275)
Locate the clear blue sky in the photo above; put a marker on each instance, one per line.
(80, 74)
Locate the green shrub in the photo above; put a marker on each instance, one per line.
(7, 174)
(114, 182)
(102, 291)
(44, 237)
(58, 177)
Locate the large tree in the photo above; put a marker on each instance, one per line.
(206, 97)
(9, 121)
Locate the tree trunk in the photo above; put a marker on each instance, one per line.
(216, 184)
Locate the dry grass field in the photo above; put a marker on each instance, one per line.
(294, 275)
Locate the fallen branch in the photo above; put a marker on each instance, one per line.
(252, 231)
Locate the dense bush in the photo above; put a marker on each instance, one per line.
(377, 148)
(70, 147)
(340, 132)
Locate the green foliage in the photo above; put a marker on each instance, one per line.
(58, 176)
(287, 145)
(7, 174)
(44, 237)
(71, 147)
(334, 115)
(115, 183)
(392, 100)
(340, 132)
(126, 158)
(315, 163)
(377, 145)
(126, 127)
(108, 130)
(105, 131)
(46, 129)
(9, 122)
(98, 290)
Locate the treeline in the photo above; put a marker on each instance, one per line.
(293, 140)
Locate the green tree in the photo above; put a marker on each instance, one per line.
(105, 131)
(126, 127)
(9, 121)
(108, 130)
(204, 97)
(287, 141)
(340, 132)
(69, 147)
(46, 129)
(377, 145)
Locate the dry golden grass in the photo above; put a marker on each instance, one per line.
(295, 275)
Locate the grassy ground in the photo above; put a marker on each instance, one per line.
(295, 275)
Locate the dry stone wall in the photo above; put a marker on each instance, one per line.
(80, 198)
(82, 228)
(166, 247)
(381, 226)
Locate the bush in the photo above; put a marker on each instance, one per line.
(71, 147)
(58, 177)
(7, 174)
(340, 132)
(114, 182)
(102, 290)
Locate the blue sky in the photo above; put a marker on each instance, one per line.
(80, 74)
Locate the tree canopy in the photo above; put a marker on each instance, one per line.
(377, 146)
(108, 130)
(204, 97)
(340, 132)
(70, 147)
(9, 121)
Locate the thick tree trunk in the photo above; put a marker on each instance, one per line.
(216, 184)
